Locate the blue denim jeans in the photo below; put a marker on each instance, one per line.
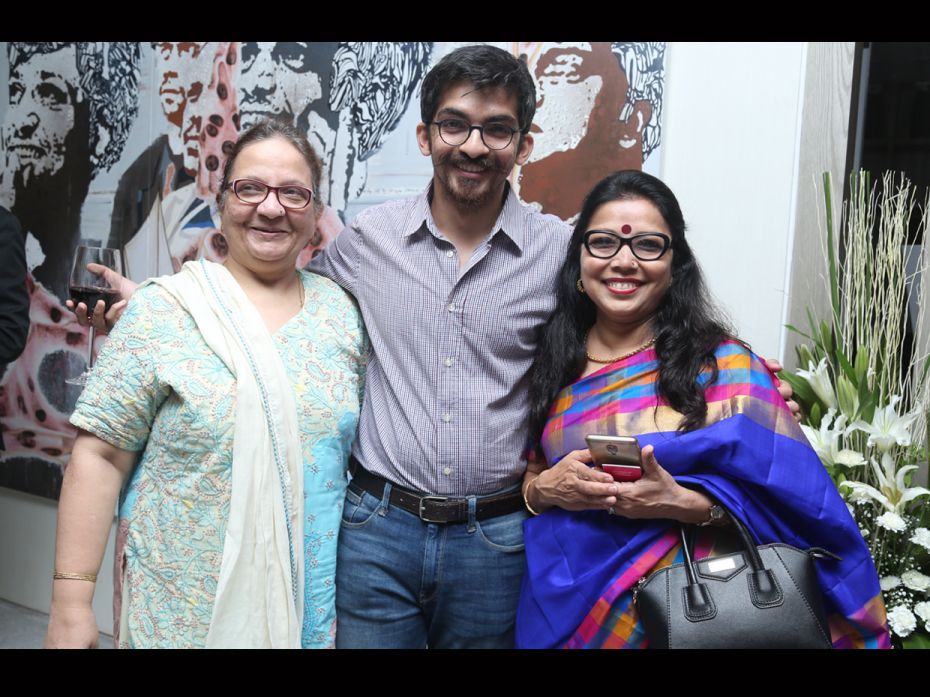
(403, 583)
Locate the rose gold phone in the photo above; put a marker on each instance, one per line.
(619, 456)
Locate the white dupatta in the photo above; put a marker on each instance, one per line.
(259, 596)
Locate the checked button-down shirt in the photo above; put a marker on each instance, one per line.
(445, 407)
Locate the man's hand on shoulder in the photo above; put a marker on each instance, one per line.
(784, 389)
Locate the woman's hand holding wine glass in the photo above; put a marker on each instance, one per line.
(104, 316)
(96, 285)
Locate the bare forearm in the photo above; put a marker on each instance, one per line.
(85, 513)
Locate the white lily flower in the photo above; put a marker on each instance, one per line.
(819, 380)
(826, 441)
(891, 493)
(887, 428)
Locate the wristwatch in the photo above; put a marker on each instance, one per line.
(714, 514)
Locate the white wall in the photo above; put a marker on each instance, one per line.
(730, 151)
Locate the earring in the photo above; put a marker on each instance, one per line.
(580, 286)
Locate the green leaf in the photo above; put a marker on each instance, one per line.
(862, 367)
(816, 336)
(816, 414)
(827, 334)
(802, 389)
(846, 366)
(866, 401)
(847, 397)
(831, 251)
(867, 408)
(917, 640)
(792, 328)
(805, 357)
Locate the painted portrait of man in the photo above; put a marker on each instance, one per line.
(598, 111)
(347, 96)
(182, 74)
(70, 109)
(184, 68)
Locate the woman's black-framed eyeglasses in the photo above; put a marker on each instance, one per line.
(253, 192)
(455, 132)
(646, 246)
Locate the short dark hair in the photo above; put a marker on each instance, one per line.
(275, 128)
(482, 66)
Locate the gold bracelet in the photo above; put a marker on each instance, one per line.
(64, 575)
(526, 501)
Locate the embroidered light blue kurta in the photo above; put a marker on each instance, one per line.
(158, 389)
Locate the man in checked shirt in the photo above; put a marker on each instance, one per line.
(453, 285)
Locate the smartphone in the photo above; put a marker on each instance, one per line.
(619, 456)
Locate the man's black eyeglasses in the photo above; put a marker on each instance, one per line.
(455, 132)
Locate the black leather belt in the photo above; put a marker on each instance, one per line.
(435, 509)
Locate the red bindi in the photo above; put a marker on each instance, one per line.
(626, 229)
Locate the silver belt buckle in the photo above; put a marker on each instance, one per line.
(423, 501)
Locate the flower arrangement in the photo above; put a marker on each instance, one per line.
(864, 387)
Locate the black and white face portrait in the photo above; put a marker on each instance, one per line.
(44, 96)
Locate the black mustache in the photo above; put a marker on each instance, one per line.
(482, 163)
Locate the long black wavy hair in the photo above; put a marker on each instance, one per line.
(687, 324)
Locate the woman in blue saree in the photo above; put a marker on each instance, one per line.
(636, 347)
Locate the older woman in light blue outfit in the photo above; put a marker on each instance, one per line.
(224, 404)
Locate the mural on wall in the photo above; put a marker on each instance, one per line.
(348, 97)
(598, 111)
(70, 109)
(73, 126)
(184, 73)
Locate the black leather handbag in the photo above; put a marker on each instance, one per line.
(762, 597)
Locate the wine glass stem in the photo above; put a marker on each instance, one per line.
(90, 346)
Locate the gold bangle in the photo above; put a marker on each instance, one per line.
(64, 575)
(526, 501)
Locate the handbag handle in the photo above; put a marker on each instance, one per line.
(764, 590)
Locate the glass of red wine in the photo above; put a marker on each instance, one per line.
(88, 287)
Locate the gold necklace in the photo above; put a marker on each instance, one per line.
(618, 358)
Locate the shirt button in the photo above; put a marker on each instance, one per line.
(447, 471)
(451, 307)
(449, 361)
(450, 254)
(447, 417)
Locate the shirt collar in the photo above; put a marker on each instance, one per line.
(509, 221)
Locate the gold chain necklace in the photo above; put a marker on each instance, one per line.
(618, 358)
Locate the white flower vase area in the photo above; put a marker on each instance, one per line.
(864, 386)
